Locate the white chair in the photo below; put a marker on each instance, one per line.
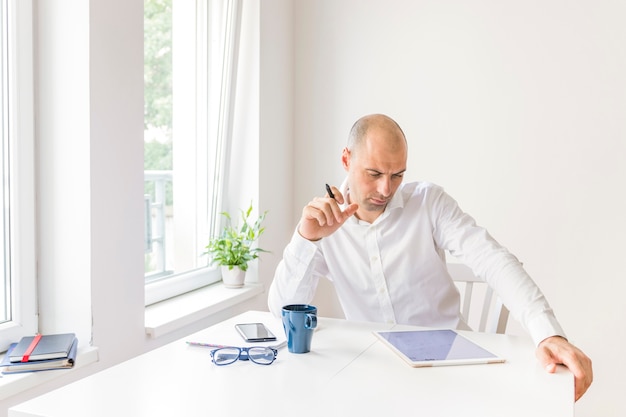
(494, 315)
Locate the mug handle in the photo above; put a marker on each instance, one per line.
(310, 322)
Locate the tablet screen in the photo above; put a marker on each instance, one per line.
(436, 347)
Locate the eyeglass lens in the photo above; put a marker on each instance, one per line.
(262, 356)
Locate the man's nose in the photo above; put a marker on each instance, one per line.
(384, 186)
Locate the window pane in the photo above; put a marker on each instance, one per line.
(158, 144)
(5, 287)
(184, 148)
(18, 295)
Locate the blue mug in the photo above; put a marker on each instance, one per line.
(299, 322)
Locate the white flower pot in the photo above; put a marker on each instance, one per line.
(233, 278)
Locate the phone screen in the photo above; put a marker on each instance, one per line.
(255, 332)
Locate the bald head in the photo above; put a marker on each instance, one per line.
(385, 128)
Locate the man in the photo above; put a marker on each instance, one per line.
(382, 243)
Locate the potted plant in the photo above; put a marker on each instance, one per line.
(233, 248)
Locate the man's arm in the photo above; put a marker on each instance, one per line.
(297, 274)
(458, 232)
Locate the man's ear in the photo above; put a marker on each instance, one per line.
(345, 159)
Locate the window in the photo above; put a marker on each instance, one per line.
(18, 315)
(5, 289)
(189, 58)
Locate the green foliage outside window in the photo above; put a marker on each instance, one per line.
(158, 90)
(158, 63)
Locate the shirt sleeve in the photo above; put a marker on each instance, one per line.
(297, 274)
(458, 233)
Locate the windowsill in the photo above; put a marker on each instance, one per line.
(175, 313)
(12, 384)
(160, 318)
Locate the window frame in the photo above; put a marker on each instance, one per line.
(217, 33)
(21, 148)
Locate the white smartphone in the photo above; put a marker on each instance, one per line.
(255, 332)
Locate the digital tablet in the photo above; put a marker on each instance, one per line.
(436, 348)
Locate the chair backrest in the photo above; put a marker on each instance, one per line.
(494, 315)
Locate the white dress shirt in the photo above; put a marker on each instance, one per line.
(394, 270)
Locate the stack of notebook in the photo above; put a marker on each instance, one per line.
(40, 353)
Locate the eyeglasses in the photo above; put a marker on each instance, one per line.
(258, 354)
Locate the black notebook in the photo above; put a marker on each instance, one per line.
(8, 367)
(42, 347)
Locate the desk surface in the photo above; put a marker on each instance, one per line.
(348, 372)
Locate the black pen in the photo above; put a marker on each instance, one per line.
(330, 192)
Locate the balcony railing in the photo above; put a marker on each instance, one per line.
(157, 219)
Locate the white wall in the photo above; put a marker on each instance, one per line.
(276, 110)
(517, 109)
(62, 112)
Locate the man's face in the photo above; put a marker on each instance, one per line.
(375, 171)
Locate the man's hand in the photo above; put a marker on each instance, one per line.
(555, 351)
(323, 216)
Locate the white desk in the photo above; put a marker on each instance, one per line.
(348, 372)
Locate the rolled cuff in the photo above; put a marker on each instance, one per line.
(543, 326)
